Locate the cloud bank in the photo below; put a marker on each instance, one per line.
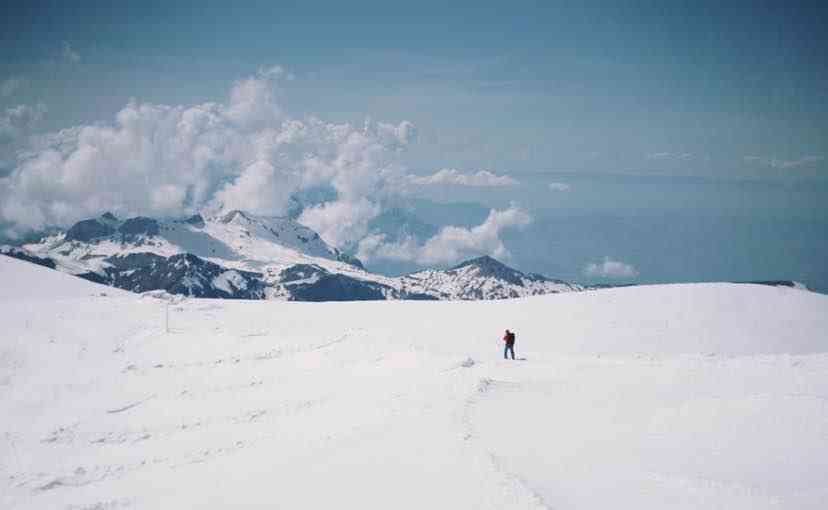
(451, 176)
(174, 160)
(242, 153)
(610, 269)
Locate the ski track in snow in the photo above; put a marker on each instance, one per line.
(511, 482)
(128, 406)
(409, 405)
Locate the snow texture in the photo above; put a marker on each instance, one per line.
(675, 396)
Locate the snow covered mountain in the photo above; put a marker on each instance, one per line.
(243, 256)
(651, 397)
(483, 278)
(235, 255)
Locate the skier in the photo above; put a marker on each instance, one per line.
(509, 338)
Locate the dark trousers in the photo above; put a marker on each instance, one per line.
(509, 348)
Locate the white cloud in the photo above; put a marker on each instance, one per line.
(451, 243)
(68, 54)
(244, 153)
(809, 159)
(669, 156)
(342, 221)
(610, 269)
(274, 73)
(559, 186)
(252, 105)
(482, 178)
(259, 187)
(10, 85)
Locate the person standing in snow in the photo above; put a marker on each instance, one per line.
(509, 339)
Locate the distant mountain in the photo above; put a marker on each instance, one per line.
(307, 282)
(770, 283)
(483, 278)
(238, 255)
(234, 255)
(179, 274)
(780, 283)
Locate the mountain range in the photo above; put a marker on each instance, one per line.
(238, 255)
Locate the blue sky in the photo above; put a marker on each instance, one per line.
(686, 110)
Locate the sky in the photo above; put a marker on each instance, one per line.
(597, 142)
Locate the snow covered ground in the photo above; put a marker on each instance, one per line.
(677, 396)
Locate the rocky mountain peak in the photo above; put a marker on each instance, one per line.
(235, 216)
(195, 220)
(109, 218)
(140, 225)
(484, 261)
(486, 266)
(88, 230)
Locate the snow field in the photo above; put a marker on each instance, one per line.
(681, 396)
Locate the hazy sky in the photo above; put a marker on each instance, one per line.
(700, 109)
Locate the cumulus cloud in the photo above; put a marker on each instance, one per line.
(10, 85)
(245, 192)
(610, 269)
(172, 160)
(451, 243)
(482, 178)
(809, 159)
(245, 153)
(559, 186)
(341, 222)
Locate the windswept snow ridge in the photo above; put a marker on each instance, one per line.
(676, 396)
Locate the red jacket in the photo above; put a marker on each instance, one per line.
(509, 338)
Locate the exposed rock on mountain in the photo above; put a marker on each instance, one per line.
(484, 278)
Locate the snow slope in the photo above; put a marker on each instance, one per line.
(678, 396)
(26, 281)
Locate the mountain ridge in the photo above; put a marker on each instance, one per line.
(245, 256)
